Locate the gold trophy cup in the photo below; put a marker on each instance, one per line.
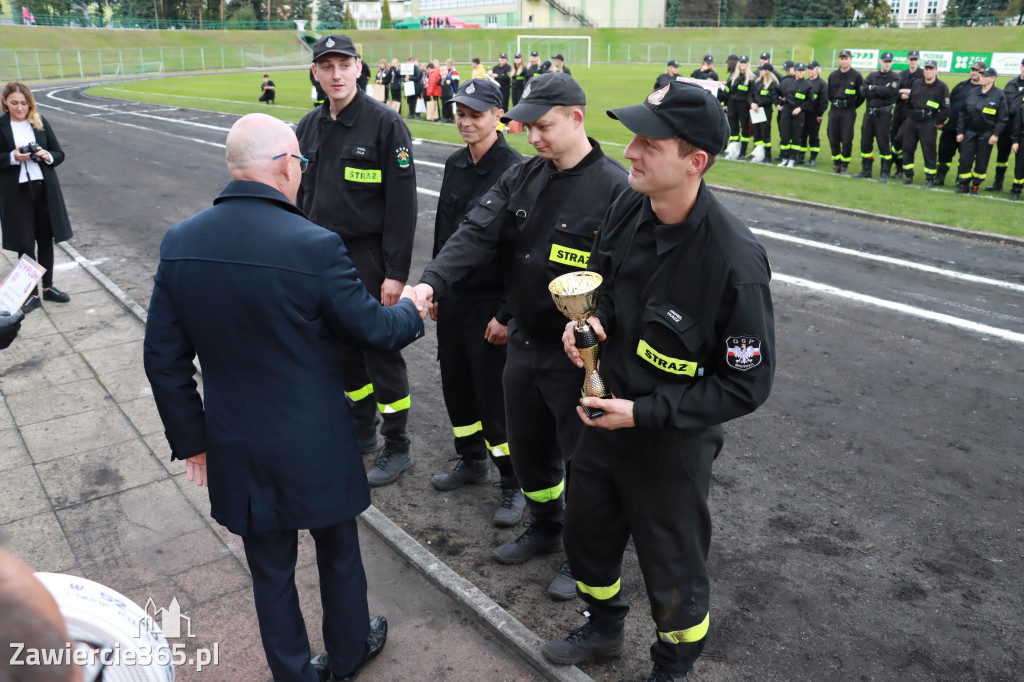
(577, 294)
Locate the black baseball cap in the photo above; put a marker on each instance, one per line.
(787, 65)
(519, 55)
(813, 64)
(731, 57)
(767, 66)
(533, 53)
(679, 110)
(990, 72)
(709, 59)
(552, 89)
(559, 57)
(931, 63)
(845, 53)
(765, 55)
(335, 43)
(674, 63)
(800, 66)
(502, 56)
(886, 57)
(744, 59)
(913, 54)
(980, 65)
(479, 94)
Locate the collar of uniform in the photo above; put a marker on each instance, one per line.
(484, 166)
(250, 189)
(348, 115)
(588, 160)
(669, 236)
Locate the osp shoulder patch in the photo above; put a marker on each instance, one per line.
(743, 352)
(403, 158)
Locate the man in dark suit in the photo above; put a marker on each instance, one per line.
(263, 297)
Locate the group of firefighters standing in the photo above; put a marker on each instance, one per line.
(902, 109)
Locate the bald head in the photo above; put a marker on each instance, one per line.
(253, 142)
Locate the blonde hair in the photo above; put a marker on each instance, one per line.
(33, 112)
(768, 77)
(735, 75)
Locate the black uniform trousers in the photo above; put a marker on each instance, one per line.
(652, 485)
(471, 383)
(739, 123)
(1003, 147)
(346, 621)
(812, 134)
(791, 132)
(874, 129)
(763, 136)
(506, 92)
(516, 91)
(1018, 168)
(915, 131)
(542, 390)
(840, 133)
(373, 380)
(947, 147)
(974, 151)
(32, 225)
(899, 117)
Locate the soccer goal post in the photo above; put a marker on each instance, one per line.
(552, 45)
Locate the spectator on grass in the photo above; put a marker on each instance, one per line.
(267, 90)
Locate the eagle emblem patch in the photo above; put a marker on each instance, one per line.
(402, 157)
(743, 352)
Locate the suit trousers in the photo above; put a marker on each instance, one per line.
(375, 380)
(840, 133)
(652, 485)
(32, 225)
(346, 620)
(542, 390)
(471, 370)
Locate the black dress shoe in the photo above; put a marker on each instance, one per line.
(30, 304)
(56, 295)
(374, 645)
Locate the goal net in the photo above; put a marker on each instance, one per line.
(548, 46)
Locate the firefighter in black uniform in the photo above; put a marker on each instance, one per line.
(533, 68)
(899, 114)
(764, 95)
(688, 337)
(670, 75)
(737, 103)
(1016, 141)
(795, 96)
(814, 115)
(502, 72)
(844, 94)
(472, 322)
(1014, 91)
(981, 123)
(766, 58)
(927, 111)
(948, 144)
(881, 89)
(706, 71)
(361, 184)
(318, 93)
(540, 219)
(518, 76)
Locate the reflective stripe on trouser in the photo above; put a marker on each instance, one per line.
(383, 371)
(542, 391)
(624, 485)
(471, 372)
(812, 134)
(925, 133)
(1018, 166)
(840, 133)
(975, 152)
(791, 131)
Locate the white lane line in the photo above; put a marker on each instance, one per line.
(204, 99)
(903, 308)
(432, 164)
(863, 255)
(53, 95)
(428, 192)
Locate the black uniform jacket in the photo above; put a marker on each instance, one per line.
(10, 196)
(737, 93)
(881, 89)
(958, 98)
(796, 92)
(709, 75)
(931, 98)
(360, 182)
(907, 79)
(263, 297)
(984, 112)
(819, 93)
(502, 74)
(464, 183)
(765, 95)
(688, 313)
(542, 223)
(844, 89)
(1014, 91)
(663, 80)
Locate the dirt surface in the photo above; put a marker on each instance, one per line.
(867, 519)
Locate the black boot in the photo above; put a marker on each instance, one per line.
(843, 166)
(963, 187)
(997, 185)
(940, 176)
(767, 155)
(533, 541)
(837, 167)
(974, 188)
(595, 639)
(1015, 191)
(392, 459)
(465, 471)
(929, 181)
(743, 150)
(813, 161)
(908, 177)
(897, 161)
(659, 674)
(865, 168)
(883, 171)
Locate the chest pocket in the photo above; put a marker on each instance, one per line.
(571, 240)
(669, 343)
(360, 167)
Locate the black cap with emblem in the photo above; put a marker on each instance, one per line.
(886, 57)
(679, 110)
(335, 43)
(479, 94)
(552, 89)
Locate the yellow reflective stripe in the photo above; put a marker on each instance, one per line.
(988, 110)
(800, 95)
(547, 494)
(694, 634)
(850, 92)
(463, 431)
(600, 592)
(664, 362)
(932, 104)
(567, 256)
(360, 393)
(499, 450)
(361, 175)
(390, 408)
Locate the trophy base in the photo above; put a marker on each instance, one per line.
(592, 412)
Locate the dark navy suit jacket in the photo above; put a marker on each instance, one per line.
(263, 297)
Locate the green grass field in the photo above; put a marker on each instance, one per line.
(611, 86)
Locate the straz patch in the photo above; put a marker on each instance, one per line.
(402, 157)
(361, 175)
(664, 362)
(567, 256)
(743, 352)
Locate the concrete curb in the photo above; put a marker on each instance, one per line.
(467, 596)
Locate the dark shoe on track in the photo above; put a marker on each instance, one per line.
(374, 645)
(465, 471)
(563, 587)
(589, 641)
(510, 511)
(30, 304)
(394, 458)
(55, 295)
(528, 545)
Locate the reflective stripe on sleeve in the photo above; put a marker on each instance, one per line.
(547, 494)
(602, 593)
(360, 393)
(397, 406)
(694, 634)
(463, 431)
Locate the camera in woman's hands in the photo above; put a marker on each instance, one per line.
(32, 149)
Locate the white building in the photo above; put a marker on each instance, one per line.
(549, 13)
(917, 13)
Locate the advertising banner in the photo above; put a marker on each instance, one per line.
(944, 60)
(899, 60)
(1007, 63)
(962, 61)
(864, 59)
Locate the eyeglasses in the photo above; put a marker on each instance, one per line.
(303, 161)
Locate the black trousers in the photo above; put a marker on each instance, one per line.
(506, 91)
(812, 134)
(652, 485)
(516, 92)
(346, 621)
(947, 146)
(899, 116)
(376, 380)
(471, 370)
(542, 390)
(763, 134)
(1003, 148)
(925, 132)
(31, 224)
(874, 129)
(739, 122)
(840, 133)
(1018, 168)
(974, 151)
(791, 132)
(411, 103)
